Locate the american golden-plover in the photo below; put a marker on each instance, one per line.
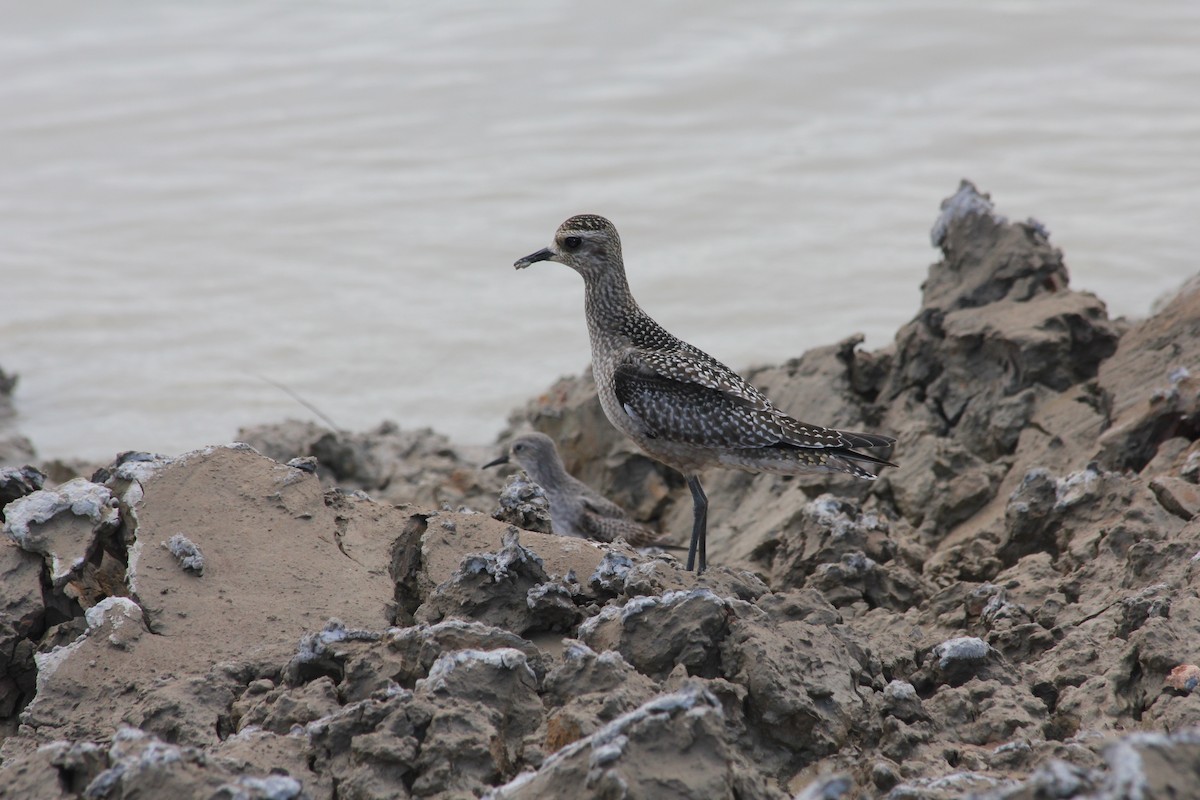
(679, 404)
(575, 508)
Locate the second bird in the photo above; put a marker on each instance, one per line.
(679, 404)
(575, 508)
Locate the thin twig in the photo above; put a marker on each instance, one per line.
(333, 426)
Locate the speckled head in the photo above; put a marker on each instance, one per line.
(587, 243)
(586, 222)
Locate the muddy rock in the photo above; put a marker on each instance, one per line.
(325, 652)
(655, 634)
(1177, 496)
(988, 259)
(956, 660)
(849, 555)
(409, 653)
(623, 576)
(619, 759)
(278, 710)
(63, 525)
(17, 482)
(523, 503)
(137, 765)
(55, 564)
(387, 462)
(1140, 765)
(485, 703)
(1010, 613)
(54, 771)
(587, 690)
(254, 755)
(462, 725)
(857, 579)
(987, 712)
(504, 564)
(23, 613)
(222, 498)
(508, 589)
(1152, 387)
(900, 700)
(801, 684)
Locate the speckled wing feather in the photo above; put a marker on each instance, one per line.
(598, 525)
(798, 434)
(701, 413)
(690, 413)
(708, 404)
(689, 364)
(599, 504)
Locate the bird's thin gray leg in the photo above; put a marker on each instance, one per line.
(699, 525)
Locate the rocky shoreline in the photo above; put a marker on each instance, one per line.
(1012, 613)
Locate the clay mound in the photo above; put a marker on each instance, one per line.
(1010, 614)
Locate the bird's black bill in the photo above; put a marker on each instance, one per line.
(495, 463)
(541, 255)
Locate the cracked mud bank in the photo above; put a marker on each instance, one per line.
(1013, 613)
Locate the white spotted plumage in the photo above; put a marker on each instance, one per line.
(679, 404)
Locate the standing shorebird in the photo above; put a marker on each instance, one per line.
(679, 404)
(575, 508)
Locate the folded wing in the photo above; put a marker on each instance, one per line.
(694, 399)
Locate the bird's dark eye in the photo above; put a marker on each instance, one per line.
(572, 242)
(518, 448)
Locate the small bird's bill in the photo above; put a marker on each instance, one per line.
(496, 462)
(544, 254)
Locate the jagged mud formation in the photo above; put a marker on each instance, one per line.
(1045, 504)
(1012, 613)
(389, 463)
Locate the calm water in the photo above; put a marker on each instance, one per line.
(195, 195)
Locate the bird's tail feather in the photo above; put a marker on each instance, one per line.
(788, 459)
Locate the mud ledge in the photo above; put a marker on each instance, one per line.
(1010, 614)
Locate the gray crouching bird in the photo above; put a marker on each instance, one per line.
(575, 508)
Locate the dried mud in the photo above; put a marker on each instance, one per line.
(1012, 613)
